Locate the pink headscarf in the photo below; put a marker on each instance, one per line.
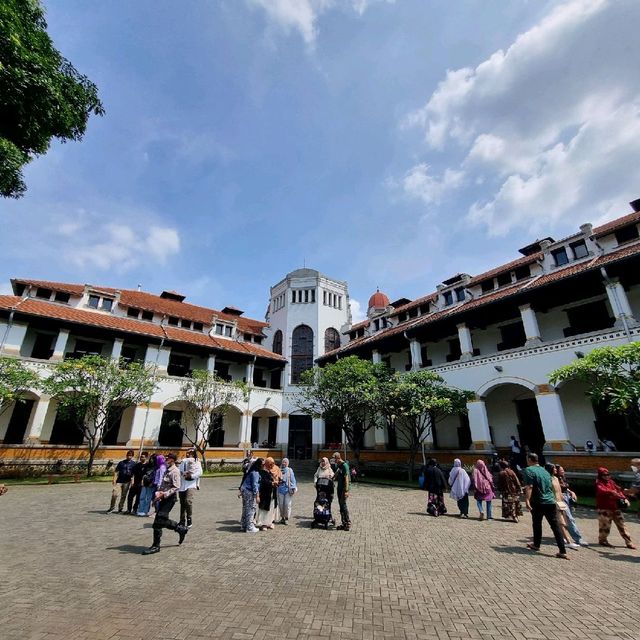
(482, 480)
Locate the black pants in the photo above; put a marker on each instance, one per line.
(133, 498)
(344, 510)
(162, 520)
(548, 511)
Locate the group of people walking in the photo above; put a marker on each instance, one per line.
(157, 482)
(547, 495)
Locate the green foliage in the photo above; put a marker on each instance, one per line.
(613, 376)
(42, 96)
(96, 391)
(15, 380)
(207, 399)
(346, 392)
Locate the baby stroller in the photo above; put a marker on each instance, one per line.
(322, 505)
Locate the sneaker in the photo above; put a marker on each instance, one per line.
(583, 543)
(252, 530)
(182, 533)
(189, 523)
(150, 550)
(481, 516)
(573, 545)
(285, 522)
(109, 511)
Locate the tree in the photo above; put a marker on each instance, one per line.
(346, 392)
(207, 399)
(413, 403)
(613, 377)
(95, 391)
(15, 380)
(42, 95)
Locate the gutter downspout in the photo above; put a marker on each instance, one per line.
(6, 331)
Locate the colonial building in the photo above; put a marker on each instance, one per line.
(498, 334)
(502, 332)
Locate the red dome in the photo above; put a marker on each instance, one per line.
(378, 300)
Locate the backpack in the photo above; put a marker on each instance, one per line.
(148, 478)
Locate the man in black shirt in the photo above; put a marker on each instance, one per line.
(139, 469)
(122, 481)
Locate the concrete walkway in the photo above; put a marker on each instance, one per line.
(70, 572)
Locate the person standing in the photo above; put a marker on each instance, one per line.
(634, 490)
(561, 506)
(510, 490)
(165, 499)
(570, 499)
(190, 472)
(515, 458)
(460, 482)
(286, 491)
(121, 482)
(343, 481)
(324, 470)
(133, 499)
(269, 480)
(148, 486)
(435, 485)
(249, 492)
(483, 488)
(609, 499)
(541, 502)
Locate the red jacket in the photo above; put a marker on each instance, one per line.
(607, 495)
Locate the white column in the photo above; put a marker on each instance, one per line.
(158, 354)
(117, 348)
(211, 363)
(245, 427)
(479, 424)
(61, 345)
(317, 432)
(466, 344)
(619, 303)
(145, 429)
(34, 429)
(376, 357)
(552, 418)
(530, 322)
(416, 356)
(249, 373)
(282, 435)
(13, 338)
(380, 437)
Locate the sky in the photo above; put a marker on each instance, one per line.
(388, 143)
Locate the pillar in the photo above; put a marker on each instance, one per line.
(479, 424)
(117, 348)
(619, 303)
(416, 356)
(249, 372)
(61, 345)
(376, 357)
(380, 439)
(34, 429)
(530, 322)
(282, 435)
(245, 427)
(211, 363)
(158, 355)
(12, 338)
(145, 429)
(551, 413)
(466, 344)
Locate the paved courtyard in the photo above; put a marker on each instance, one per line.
(69, 572)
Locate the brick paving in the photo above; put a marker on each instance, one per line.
(69, 572)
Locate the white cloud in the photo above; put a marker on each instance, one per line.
(549, 127)
(6, 289)
(357, 312)
(90, 240)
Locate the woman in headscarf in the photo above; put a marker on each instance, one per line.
(435, 485)
(510, 489)
(460, 482)
(161, 469)
(148, 486)
(249, 494)
(287, 487)
(269, 480)
(324, 470)
(483, 488)
(609, 499)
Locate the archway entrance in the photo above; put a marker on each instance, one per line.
(300, 437)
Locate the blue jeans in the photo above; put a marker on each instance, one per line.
(489, 508)
(572, 527)
(146, 495)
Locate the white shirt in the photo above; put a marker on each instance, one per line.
(195, 473)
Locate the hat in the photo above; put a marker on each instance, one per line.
(603, 471)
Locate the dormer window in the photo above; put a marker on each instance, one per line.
(132, 312)
(579, 249)
(627, 234)
(97, 301)
(448, 297)
(94, 301)
(107, 304)
(459, 294)
(487, 285)
(198, 326)
(424, 309)
(173, 321)
(147, 315)
(523, 272)
(61, 296)
(504, 279)
(43, 293)
(223, 329)
(186, 324)
(402, 317)
(560, 256)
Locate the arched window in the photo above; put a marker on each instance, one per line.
(301, 351)
(331, 339)
(277, 342)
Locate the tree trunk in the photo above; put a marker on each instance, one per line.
(412, 461)
(92, 454)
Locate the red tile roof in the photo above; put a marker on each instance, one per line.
(610, 227)
(42, 308)
(532, 284)
(151, 302)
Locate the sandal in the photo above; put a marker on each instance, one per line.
(531, 547)
(606, 544)
(562, 556)
(631, 546)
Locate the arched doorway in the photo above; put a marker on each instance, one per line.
(301, 352)
(17, 419)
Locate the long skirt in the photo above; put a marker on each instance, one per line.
(511, 507)
(435, 504)
(266, 516)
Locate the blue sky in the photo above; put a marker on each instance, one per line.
(386, 143)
